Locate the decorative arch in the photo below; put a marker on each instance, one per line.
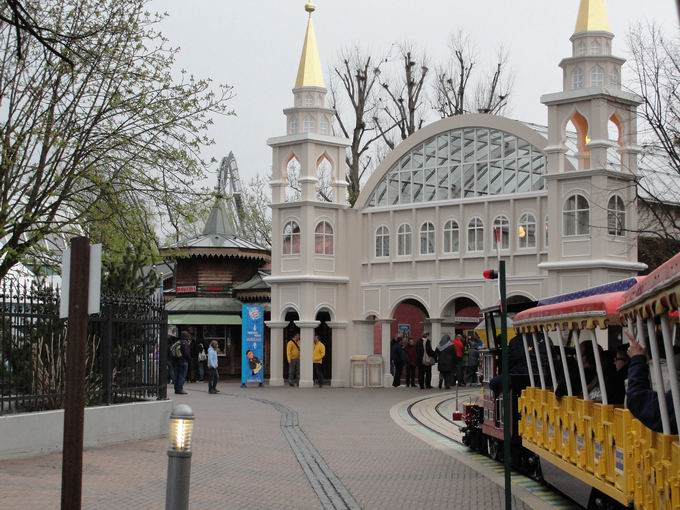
(464, 295)
(409, 298)
(521, 297)
(430, 135)
(580, 124)
(291, 176)
(324, 178)
(289, 308)
(324, 307)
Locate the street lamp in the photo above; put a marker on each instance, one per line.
(179, 458)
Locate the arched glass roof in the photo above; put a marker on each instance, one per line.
(462, 163)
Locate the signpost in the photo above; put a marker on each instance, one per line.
(252, 345)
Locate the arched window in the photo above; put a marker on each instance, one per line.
(526, 232)
(323, 239)
(308, 125)
(293, 189)
(616, 216)
(475, 235)
(291, 238)
(309, 101)
(324, 127)
(596, 76)
(404, 235)
(615, 78)
(451, 237)
(595, 48)
(382, 241)
(576, 216)
(324, 180)
(501, 233)
(581, 50)
(577, 79)
(293, 126)
(427, 239)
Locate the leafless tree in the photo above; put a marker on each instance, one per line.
(656, 65)
(460, 88)
(256, 223)
(115, 124)
(355, 80)
(403, 97)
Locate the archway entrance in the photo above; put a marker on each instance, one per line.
(460, 315)
(325, 334)
(289, 332)
(409, 322)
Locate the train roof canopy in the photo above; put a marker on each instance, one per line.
(659, 292)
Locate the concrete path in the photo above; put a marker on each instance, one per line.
(273, 448)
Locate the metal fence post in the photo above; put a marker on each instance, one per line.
(163, 357)
(108, 342)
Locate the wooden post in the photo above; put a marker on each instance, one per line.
(74, 394)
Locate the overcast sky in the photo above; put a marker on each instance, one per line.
(255, 45)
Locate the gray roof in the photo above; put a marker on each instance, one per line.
(202, 304)
(255, 283)
(219, 222)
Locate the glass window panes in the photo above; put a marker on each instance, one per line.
(475, 235)
(469, 180)
(404, 240)
(523, 175)
(430, 184)
(577, 79)
(501, 230)
(323, 239)
(596, 77)
(526, 231)
(442, 150)
(431, 154)
(451, 237)
(494, 163)
(382, 241)
(291, 238)
(616, 216)
(468, 145)
(417, 186)
(427, 235)
(576, 216)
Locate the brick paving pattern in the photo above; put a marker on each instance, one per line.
(242, 459)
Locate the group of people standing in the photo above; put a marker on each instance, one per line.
(457, 361)
(188, 359)
(293, 356)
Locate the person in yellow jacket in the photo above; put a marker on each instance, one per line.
(293, 354)
(319, 353)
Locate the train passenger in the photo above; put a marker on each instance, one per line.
(445, 354)
(642, 400)
(474, 344)
(615, 386)
(572, 366)
(517, 361)
(621, 361)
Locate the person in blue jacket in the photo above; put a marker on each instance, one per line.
(641, 400)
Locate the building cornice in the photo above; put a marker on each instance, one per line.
(306, 278)
(597, 172)
(282, 141)
(592, 264)
(319, 205)
(571, 96)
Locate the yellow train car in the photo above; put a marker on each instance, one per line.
(591, 447)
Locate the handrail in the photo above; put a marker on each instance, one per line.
(565, 366)
(538, 360)
(668, 337)
(530, 369)
(656, 374)
(551, 363)
(581, 370)
(598, 366)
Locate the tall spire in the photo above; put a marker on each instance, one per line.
(592, 17)
(309, 71)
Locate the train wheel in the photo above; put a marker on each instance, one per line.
(494, 448)
(599, 501)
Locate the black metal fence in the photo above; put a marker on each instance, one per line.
(126, 350)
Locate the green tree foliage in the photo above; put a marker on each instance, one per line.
(126, 275)
(120, 126)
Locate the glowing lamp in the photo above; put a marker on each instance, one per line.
(181, 429)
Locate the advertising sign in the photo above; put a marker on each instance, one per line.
(404, 330)
(252, 344)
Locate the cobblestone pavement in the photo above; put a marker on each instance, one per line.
(272, 448)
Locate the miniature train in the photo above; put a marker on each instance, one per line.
(596, 453)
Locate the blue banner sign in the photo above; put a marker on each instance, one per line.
(252, 344)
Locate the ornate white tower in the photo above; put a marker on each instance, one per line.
(592, 210)
(309, 196)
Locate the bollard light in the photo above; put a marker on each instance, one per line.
(181, 429)
(179, 458)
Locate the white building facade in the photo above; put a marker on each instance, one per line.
(445, 204)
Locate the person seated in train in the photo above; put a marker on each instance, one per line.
(641, 399)
(517, 361)
(615, 386)
(572, 366)
(621, 361)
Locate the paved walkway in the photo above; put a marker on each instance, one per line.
(273, 448)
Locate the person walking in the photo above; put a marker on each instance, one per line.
(202, 361)
(212, 368)
(183, 356)
(398, 356)
(319, 353)
(411, 362)
(459, 349)
(445, 355)
(425, 357)
(293, 355)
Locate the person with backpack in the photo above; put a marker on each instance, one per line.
(425, 358)
(181, 353)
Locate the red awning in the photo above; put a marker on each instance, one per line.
(657, 293)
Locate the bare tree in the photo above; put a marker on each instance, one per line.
(404, 105)
(656, 65)
(355, 80)
(115, 124)
(460, 89)
(256, 223)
